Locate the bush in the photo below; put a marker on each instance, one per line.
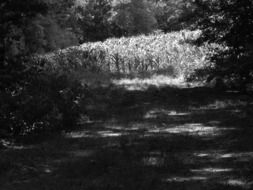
(47, 102)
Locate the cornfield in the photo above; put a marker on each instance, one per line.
(141, 54)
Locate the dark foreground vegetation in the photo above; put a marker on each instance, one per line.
(65, 123)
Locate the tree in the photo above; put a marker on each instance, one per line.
(173, 14)
(93, 19)
(229, 23)
(134, 17)
(29, 27)
(15, 15)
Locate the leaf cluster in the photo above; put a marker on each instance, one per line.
(229, 23)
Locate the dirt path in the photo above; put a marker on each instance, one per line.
(157, 138)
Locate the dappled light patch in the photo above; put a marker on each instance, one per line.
(48, 170)
(216, 155)
(132, 127)
(155, 81)
(193, 129)
(79, 134)
(152, 114)
(238, 183)
(96, 133)
(211, 170)
(109, 134)
(157, 161)
(149, 129)
(10, 145)
(224, 104)
(186, 179)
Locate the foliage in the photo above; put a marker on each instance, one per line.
(134, 17)
(93, 19)
(30, 27)
(32, 98)
(47, 101)
(130, 17)
(45, 35)
(173, 15)
(98, 20)
(230, 23)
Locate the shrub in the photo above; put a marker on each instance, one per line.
(47, 102)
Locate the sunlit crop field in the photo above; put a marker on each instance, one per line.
(172, 54)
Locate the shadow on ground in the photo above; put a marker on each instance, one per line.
(157, 138)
